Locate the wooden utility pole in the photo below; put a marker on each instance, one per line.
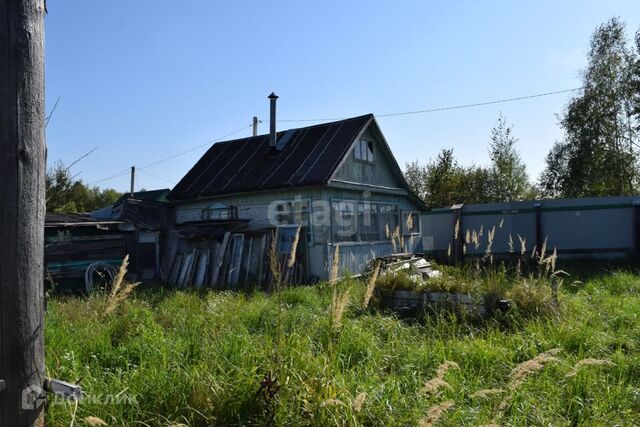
(22, 210)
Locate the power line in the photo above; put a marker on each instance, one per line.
(401, 113)
(196, 148)
(121, 173)
(454, 107)
(80, 158)
(156, 176)
(166, 159)
(46, 120)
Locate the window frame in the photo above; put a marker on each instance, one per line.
(295, 209)
(357, 150)
(358, 238)
(404, 216)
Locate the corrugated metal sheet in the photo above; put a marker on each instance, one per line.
(605, 225)
(310, 157)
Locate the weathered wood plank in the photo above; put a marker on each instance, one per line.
(22, 210)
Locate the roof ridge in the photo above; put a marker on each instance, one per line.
(296, 129)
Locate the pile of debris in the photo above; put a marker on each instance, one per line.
(419, 302)
(414, 265)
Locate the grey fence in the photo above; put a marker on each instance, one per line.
(588, 227)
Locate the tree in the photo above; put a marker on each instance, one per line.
(442, 182)
(416, 176)
(508, 178)
(64, 194)
(597, 156)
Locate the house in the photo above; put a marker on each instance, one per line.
(338, 181)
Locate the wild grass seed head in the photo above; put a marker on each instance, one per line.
(588, 362)
(371, 285)
(435, 412)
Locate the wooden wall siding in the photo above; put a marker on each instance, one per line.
(250, 206)
(255, 206)
(378, 173)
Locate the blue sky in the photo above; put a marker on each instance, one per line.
(144, 80)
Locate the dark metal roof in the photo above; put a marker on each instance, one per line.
(310, 157)
(75, 219)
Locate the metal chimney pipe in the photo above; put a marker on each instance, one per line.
(272, 120)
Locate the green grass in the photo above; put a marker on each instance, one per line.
(199, 359)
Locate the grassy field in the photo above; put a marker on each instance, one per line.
(207, 358)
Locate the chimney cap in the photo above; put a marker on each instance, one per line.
(273, 96)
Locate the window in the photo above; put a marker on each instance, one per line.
(219, 212)
(295, 212)
(344, 222)
(363, 150)
(368, 230)
(388, 220)
(363, 221)
(411, 223)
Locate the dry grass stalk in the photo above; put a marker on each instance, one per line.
(501, 223)
(358, 402)
(467, 237)
(449, 251)
(95, 421)
(409, 222)
(117, 281)
(487, 393)
(444, 367)
(392, 237)
(523, 370)
(335, 263)
(511, 246)
(294, 249)
(543, 251)
(490, 237)
(434, 385)
(589, 362)
(332, 402)
(339, 303)
(523, 244)
(387, 232)
(435, 412)
(475, 239)
(274, 262)
(120, 290)
(456, 230)
(371, 285)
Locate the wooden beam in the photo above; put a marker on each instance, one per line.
(22, 209)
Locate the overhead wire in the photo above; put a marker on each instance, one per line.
(173, 156)
(156, 176)
(453, 107)
(395, 114)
